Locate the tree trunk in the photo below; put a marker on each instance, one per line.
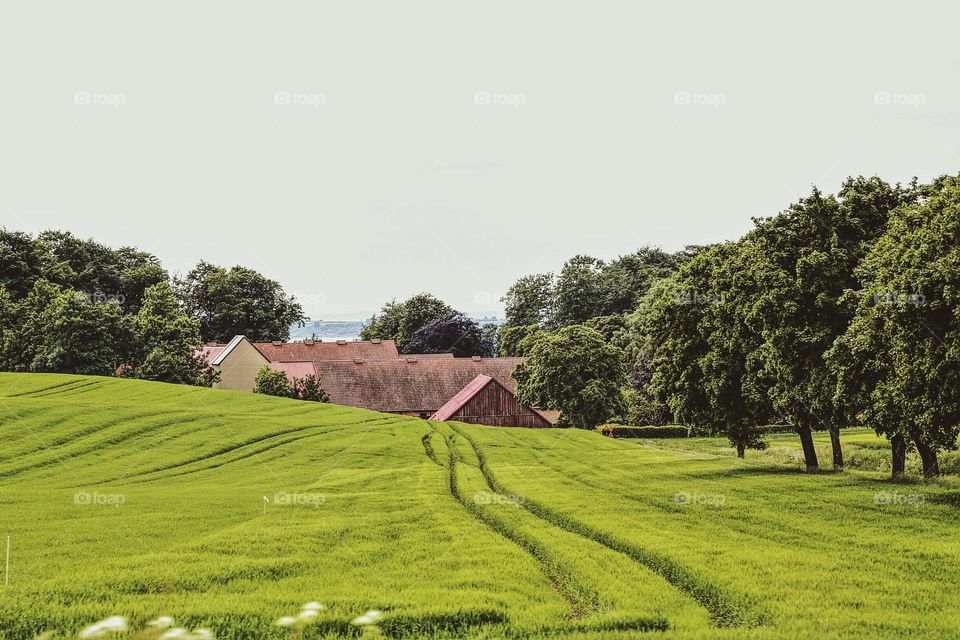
(898, 449)
(837, 447)
(809, 451)
(740, 450)
(928, 456)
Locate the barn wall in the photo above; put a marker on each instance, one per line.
(496, 406)
(239, 369)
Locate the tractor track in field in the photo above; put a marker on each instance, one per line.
(577, 597)
(777, 526)
(58, 440)
(138, 477)
(724, 609)
(244, 456)
(121, 437)
(33, 393)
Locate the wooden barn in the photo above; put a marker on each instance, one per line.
(486, 401)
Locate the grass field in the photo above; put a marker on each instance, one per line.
(142, 499)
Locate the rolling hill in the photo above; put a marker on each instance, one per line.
(228, 510)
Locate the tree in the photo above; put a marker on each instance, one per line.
(574, 371)
(165, 341)
(59, 330)
(628, 278)
(22, 262)
(453, 333)
(529, 301)
(579, 294)
(700, 351)
(273, 382)
(516, 341)
(905, 337)
(308, 388)
(90, 268)
(237, 301)
(490, 337)
(399, 321)
(806, 258)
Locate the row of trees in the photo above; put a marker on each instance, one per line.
(841, 310)
(69, 305)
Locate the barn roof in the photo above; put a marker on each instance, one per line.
(209, 352)
(463, 396)
(416, 384)
(316, 350)
(298, 369)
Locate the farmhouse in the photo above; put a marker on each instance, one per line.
(373, 375)
(239, 360)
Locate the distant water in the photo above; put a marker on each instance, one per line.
(323, 330)
(347, 330)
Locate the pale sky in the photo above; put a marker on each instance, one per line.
(358, 151)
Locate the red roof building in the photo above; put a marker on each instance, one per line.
(486, 401)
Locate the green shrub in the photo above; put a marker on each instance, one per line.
(668, 431)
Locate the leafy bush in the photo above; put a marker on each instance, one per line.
(668, 431)
(273, 382)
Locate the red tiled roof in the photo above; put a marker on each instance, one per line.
(294, 370)
(317, 351)
(400, 386)
(208, 351)
(463, 396)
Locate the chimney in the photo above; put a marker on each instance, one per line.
(309, 343)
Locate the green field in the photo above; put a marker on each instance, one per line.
(143, 499)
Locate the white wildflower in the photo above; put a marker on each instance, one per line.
(307, 616)
(312, 606)
(369, 618)
(286, 621)
(113, 624)
(203, 634)
(162, 622)
(178, 633)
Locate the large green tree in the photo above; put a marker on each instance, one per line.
(576, 372)
(579, 293)
(229, 302)
(905, 339)
(529, 301)
(165, 341)
(702, 354)
(453, 333)
(59, 330)
(399, 321)
(804, 260)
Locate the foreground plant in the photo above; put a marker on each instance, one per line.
(309, 613)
